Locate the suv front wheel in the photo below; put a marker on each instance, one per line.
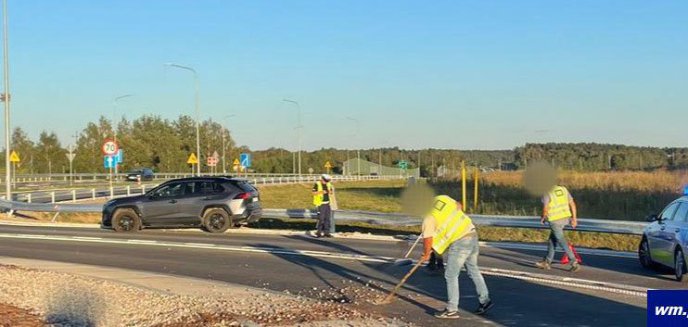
(126, 220)
(216, 220)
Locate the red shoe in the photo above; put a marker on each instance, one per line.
(565, 258)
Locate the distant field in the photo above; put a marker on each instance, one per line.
(610, 195)
(382, 196)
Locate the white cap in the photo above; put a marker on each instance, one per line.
(326, 177)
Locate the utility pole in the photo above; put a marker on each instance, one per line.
(6, 98)
(299, 127)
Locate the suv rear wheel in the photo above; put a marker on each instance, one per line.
(216, 220)
(126, 220)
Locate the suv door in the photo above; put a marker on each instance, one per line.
(161, 207)
(657, 237)
(673, 231)
(192, 203)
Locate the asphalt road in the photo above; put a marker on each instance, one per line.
(518, 302)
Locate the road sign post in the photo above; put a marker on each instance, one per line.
(245, 160)
(193, 160)
(110, 149)
(70, 157)
(14, 158)
(328, 166)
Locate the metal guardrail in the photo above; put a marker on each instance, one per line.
(91, 177)
(377, 218)
(74, 194)
(374, 218)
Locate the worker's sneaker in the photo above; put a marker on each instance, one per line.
(446, 314)
(328, 235)
(575, 266)
(543, 265)
(482, 309)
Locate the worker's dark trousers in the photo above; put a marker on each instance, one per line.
(324, 213)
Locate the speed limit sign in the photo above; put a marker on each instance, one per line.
(110, 148)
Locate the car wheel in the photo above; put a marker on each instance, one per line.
(126, 220)
(644, 254)
(216, 220)
(680, 267)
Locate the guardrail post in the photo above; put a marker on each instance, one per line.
(28, 198)
(128, 190)
(93, 193)
(143, 189)
(112, 192)
(73, 195)
(52, 197)
(264, 182)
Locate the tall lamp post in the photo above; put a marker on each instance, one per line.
(358, 150)
(6, 99)
(225, 131)
(198, 114)
(298, 128)
(114, 123)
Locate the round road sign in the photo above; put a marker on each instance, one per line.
(110, 148)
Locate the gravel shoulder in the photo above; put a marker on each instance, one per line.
(44, 293)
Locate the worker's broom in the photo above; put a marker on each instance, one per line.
(406, 261)
(388, 299)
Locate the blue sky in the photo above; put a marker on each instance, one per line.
(454, 74)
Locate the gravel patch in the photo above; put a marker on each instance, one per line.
(61, 299)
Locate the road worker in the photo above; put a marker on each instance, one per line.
(322, 191)
(446, 228)
(558, 210)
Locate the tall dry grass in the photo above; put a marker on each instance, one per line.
(604, 195)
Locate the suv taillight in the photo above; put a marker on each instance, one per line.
(242, 196)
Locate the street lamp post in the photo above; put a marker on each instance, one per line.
(114, 123)
(298, 128)
(358, 150)
(6, 99)
(225, 131)
(198, 110)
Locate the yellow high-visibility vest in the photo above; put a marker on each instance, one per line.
(558, 205)
(318, 198)
(452, 223)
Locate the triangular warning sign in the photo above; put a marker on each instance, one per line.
(192, 159)
(328, 165)
(14, 157)
(236, 162)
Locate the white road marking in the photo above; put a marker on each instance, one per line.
(548, 279)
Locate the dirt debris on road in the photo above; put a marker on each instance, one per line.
(44, 298)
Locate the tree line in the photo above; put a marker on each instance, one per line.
(165, 145)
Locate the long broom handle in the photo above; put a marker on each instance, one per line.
(412, 247)
(403, 280)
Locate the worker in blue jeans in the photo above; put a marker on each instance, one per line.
(447, 229)
(558, 210)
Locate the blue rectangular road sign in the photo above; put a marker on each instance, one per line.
(109, 161)
(120, 156)
(245, 160)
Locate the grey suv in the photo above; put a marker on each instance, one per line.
(212, 203)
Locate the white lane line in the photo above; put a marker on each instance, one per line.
(267, 250)
(537, 247)
(87, 238)
(547, 279)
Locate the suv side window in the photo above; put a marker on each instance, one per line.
(170, 191)
(209, 187)
(682, 213)
(669, 211)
